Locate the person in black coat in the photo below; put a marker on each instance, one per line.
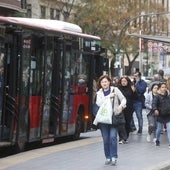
(161, 109)
(127, 88)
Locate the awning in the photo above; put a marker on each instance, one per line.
(164, 39)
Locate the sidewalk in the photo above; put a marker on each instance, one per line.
(139, 154)
(87, 154)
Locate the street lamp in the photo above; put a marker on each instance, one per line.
(119, 38)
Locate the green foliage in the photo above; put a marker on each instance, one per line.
(106, 18)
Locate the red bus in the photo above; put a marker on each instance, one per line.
(47, 69)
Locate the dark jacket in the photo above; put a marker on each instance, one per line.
(158, 104)
(129, 95)
(140, 90)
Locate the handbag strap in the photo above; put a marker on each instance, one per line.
(113, 101)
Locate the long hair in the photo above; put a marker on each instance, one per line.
(128, 80)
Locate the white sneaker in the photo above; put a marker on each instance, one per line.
(126, 141)
(121, 142)
(114, 161)
(154, 140)
(148, 138)
(108, 161)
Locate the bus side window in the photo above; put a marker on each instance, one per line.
(1, 80)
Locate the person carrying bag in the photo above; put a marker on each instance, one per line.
(108, 130)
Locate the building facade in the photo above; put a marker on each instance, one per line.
(50, 9)
(12, 7)
(47, 9)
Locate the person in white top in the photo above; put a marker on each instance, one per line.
(108, 131)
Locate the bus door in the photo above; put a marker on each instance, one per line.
(67, 97)
(36, 85)
(9, 54)
(61, 103)
(32, 84)
(69, 60)
(47, 86)
(23, 90)
(56, 90)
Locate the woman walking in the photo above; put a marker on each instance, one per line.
(128, 90)
(161, 109)
(149, 111)
(108, 131)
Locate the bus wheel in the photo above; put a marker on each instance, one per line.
(78, 127)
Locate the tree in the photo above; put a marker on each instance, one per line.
(65, 7)
(106, 19)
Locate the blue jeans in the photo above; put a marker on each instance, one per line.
(138, 110)
(159, 129)
(109, 135)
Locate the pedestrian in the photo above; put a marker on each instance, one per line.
(108, 131)
(149, 112)
(161, 76)
(161, 109)
(126, 86)
(115, 81)
(139, 101)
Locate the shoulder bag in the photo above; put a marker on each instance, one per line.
(117, 119)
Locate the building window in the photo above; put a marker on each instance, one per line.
(23, 4)
(29, 11)
(57, 16)
(51, 13)
(43, 12)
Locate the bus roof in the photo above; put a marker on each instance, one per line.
(164, 39)
(48, 25)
